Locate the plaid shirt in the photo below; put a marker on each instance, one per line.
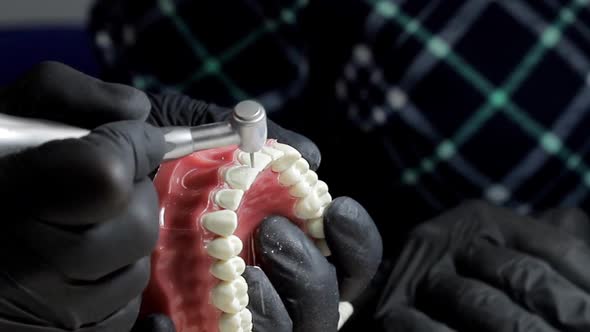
(416, 105)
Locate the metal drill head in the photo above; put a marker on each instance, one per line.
(249, 121)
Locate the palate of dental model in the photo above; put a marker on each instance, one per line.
(211, 203)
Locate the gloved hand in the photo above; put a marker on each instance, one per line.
(483, 268)
(79, 215)
(297, 289)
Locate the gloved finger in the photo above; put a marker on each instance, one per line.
(306, 147)
(405, 319)
(303, 278)
(567, 254)
(530, 282)
(81, 181)
(80, 302)
(154, 323)
(57, 92)
(90, 252)
(122, 320)
(571, 220)
(470, 305)
(173, 109)
(355, 243)
(265, 305)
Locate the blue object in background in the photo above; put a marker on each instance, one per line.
(23, 47)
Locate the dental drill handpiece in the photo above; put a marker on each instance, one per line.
(246, 127)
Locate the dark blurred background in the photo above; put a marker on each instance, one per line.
(32, 31)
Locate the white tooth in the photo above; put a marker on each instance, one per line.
(323, 246)
(346, 310)
(321, 188)
(287, 149)
(261, 160)
(272, 152)
(225, 248)
(240, 177)
(315, 228)
(284, 162)
(228, 270)
(229, 198)
(222, 222)
(230, 296)
(303, 187)
(239, 322)
(295, 173)
(307, 207)
(325, 199)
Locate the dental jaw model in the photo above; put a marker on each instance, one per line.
(211, 202)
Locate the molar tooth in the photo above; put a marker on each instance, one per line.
(323, 246)
(229, 198)
(308, 206)
(303, 187)
(239, 322)
(272, 152)
(294, 174)
(225, 248)
(315, 228)
(321, 188)
(230, 296)
(228, 270)
(325, 199)
(240, 177)
(222, 222)
(261, 160)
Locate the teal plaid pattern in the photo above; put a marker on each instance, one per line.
(453, 99)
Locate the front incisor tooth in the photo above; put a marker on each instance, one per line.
(261, 160)
(225, 248)
(294, 174)
(229, 198)
(284, 162)
(323, 247)
(228, 270)
(239, 322)
(222, 222)
(303, 187)
(287, 149)
(290, 156)
(315, 228)
(273, 153)
(240, 177)
(230, 296)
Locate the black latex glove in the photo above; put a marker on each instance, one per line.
(297, 289)
(79, 215)
(483, 268)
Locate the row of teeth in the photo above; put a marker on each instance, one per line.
(231, 294)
